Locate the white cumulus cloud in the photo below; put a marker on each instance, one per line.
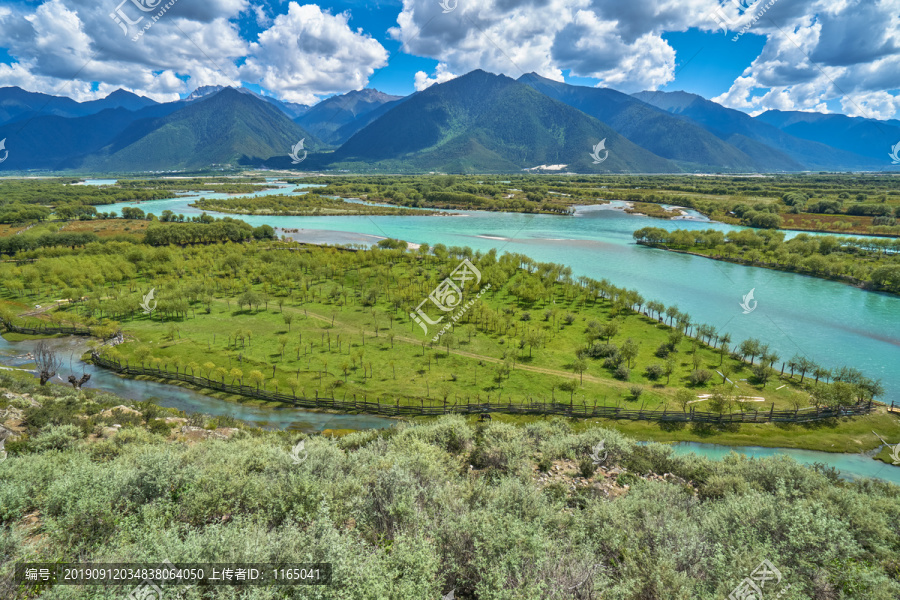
(441, 74)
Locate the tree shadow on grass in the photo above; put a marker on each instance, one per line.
(672, 425)
(711, 429)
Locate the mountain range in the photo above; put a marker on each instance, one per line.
(478, 122)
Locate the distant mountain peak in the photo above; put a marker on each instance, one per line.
(120, 93)
(203, 91)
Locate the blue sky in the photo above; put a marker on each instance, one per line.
(826, 55)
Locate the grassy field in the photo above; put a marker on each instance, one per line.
(350, 334)
(394, 363)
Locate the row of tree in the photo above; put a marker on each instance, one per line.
(875, 261)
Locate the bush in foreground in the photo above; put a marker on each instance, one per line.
(418, 510)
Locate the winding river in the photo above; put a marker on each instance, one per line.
(832, 323)
(19, 355)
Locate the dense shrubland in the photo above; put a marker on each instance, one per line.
(418, 510)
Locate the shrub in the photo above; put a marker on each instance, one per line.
(663, 351)
(655, 371)
(56, 437)
(628, 479)
(598, 350)
(719, 486)
(196, 420)
(225, 421)
(612, 362)
(699, 377)
(159, 426)
(622, 372)
(499, 448)
(587, 467)
(636, 391)
(544, 464)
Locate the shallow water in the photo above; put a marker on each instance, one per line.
(851, 466)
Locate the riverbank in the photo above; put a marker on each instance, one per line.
(839, 436)
(865, 263)
(851, 281)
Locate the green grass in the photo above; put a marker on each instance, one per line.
(378, 367)
(846, 435)
(358, 302)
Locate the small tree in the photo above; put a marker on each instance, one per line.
(630, 351)
(46, 360)
(257, 377)
(288, 319)
(570, 386)
(579, 367)
(448, 339)
(669, 368)
(726, 371)
(683, 397)
(221, 373)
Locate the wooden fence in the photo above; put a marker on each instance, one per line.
(393, 408)
(45, 330)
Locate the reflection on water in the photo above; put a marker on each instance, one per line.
(19, 354)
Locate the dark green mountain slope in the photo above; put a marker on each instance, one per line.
(485, 122)
(868, 137)
(667, 135)
(745, 132)
(226, 128)
(17, 105)
(333, 119)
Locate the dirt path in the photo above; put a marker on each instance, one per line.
(621, 385)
